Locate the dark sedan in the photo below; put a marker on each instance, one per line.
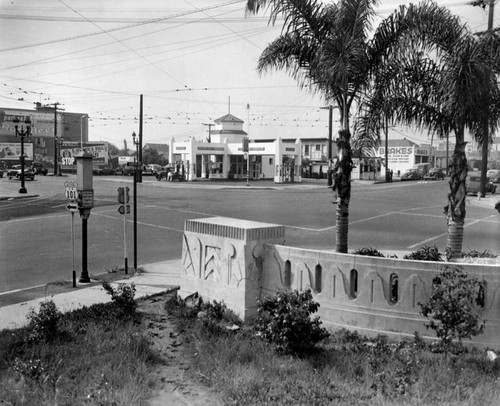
(435, 174)
(411, 174)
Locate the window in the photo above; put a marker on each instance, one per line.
(318, 147)
(306, 149)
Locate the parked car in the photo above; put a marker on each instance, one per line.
(473, 183)
(435, 174)
(15, 172)
(494, 175)
(39, 168)
(411, 174)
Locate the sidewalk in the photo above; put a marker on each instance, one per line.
(158, 278)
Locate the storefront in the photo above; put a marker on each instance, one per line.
(276, 160)
(402, 155)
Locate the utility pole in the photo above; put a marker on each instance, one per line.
(330, 155)
(209, 131)
(486, 144)
(139, 175)
(56, 172)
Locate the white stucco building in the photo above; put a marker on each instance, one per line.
(224, 156)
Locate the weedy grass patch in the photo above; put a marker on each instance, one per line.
(97, 355)
(345, 368)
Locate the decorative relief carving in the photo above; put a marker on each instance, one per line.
(191, 256)
(212, 264)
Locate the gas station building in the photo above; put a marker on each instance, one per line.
(224, 156)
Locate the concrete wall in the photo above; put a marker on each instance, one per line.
(236, 261)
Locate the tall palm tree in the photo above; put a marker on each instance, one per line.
(324, 47)
(421, 67)
(445, 81)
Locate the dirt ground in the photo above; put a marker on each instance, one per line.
(177, 382)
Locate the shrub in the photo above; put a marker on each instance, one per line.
(479, 254)
(453, 307)
(425, 253)
(368, 251)
(44, 324)
(284, 320)
(122, 298)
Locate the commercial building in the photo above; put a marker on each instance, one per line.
(230, 154)
(55, 136)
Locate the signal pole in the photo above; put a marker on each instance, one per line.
(209, 131)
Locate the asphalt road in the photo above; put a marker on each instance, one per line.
(36, 242)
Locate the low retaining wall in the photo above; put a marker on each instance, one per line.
(236, 262)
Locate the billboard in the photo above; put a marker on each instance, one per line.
(42, 124)
(12, 151)
(98, 150)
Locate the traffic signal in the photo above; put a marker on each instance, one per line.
(127, 196)
(79, 200)
(245, 144)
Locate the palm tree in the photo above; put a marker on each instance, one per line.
(421, 67)
(445, 81)
(324, 47)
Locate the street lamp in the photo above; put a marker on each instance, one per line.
(23, 133)
(136, 175)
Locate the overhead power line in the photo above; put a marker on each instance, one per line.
(124, 27)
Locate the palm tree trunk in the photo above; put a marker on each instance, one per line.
(455, 210)
(342, 184)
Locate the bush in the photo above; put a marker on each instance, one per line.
(453, 308)
(284, 320)
(425, 253)
(44, 324)
(123, 299)
(213, 318)
(368, 251)
(479, 254)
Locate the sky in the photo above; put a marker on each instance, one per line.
(192, 60)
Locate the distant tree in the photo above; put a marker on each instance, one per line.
(113, 150)
(151, 156)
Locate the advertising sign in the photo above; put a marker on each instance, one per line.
(98, 150)
(12, 150)
(397, 154)
(42, 123)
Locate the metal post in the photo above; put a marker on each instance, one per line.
(84, 276)
(248, 168)
(125, 234)
(55, 139)
(386, 150)
(22, 189)
(73, 247)
(136, 174)
(485, 149)
(139, 156)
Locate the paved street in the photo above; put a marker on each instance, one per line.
(35, 234)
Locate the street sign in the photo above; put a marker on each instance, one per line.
(121, 208)
(72, 207)
(87, 199)
(71, 193)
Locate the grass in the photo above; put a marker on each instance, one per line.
(102, 356)
(346, 369)
(95, 356)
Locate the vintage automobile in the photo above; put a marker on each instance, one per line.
(473, 183)
(411, 174)
(494, 175)
(435, 174)
(15, 172)
(39, 168)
